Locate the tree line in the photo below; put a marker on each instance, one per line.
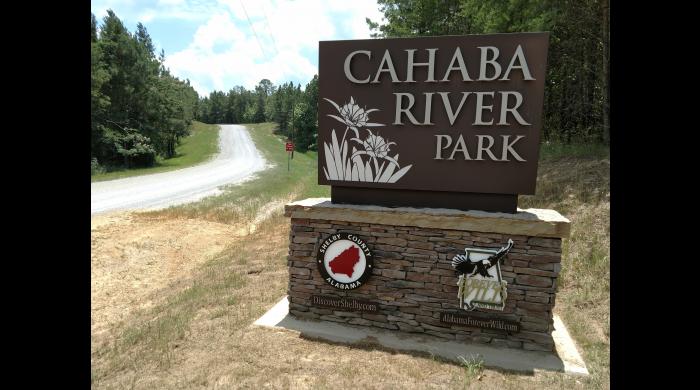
(576, 104)
(138, 109)
(294, 111)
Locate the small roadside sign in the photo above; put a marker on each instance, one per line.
(289, 147)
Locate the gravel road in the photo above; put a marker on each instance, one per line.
(238, 160)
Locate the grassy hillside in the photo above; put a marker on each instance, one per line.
(201, 335)
(575, 180)
(198, 147)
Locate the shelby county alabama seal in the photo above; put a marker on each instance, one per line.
(344, 260)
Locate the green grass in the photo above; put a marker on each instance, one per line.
(473, 367)
(569, 176)
(198, 147)
(553, 150)
(242, 202)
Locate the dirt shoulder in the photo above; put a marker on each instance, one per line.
(134, 258)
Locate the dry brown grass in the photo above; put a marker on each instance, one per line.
(198, 334)
(579, 188)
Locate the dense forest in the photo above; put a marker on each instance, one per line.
(576, 104)
(294, 110)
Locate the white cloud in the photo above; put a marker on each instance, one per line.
(239, 63)
(218, 29)
(171, 2)
(146, 16)
(224, 51)
(147, 11)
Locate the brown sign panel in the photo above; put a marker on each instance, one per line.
(447, 114)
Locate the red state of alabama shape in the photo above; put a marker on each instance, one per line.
(345, 262)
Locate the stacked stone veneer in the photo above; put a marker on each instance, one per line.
(413, 281)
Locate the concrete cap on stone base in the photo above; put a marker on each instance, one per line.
(527, 222)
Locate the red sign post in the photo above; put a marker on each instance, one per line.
(289, 147)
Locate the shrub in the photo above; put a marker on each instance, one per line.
(95, 167)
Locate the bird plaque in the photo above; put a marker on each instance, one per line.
(480, 283)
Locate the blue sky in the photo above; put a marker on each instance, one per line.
(218, 44)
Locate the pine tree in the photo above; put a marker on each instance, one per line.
(138, 109)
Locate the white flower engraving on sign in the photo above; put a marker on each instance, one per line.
(360, 164)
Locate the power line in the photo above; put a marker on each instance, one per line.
(251, 28)
(269, 30)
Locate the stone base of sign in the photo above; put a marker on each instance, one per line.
(566, 359)
(413, 282)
